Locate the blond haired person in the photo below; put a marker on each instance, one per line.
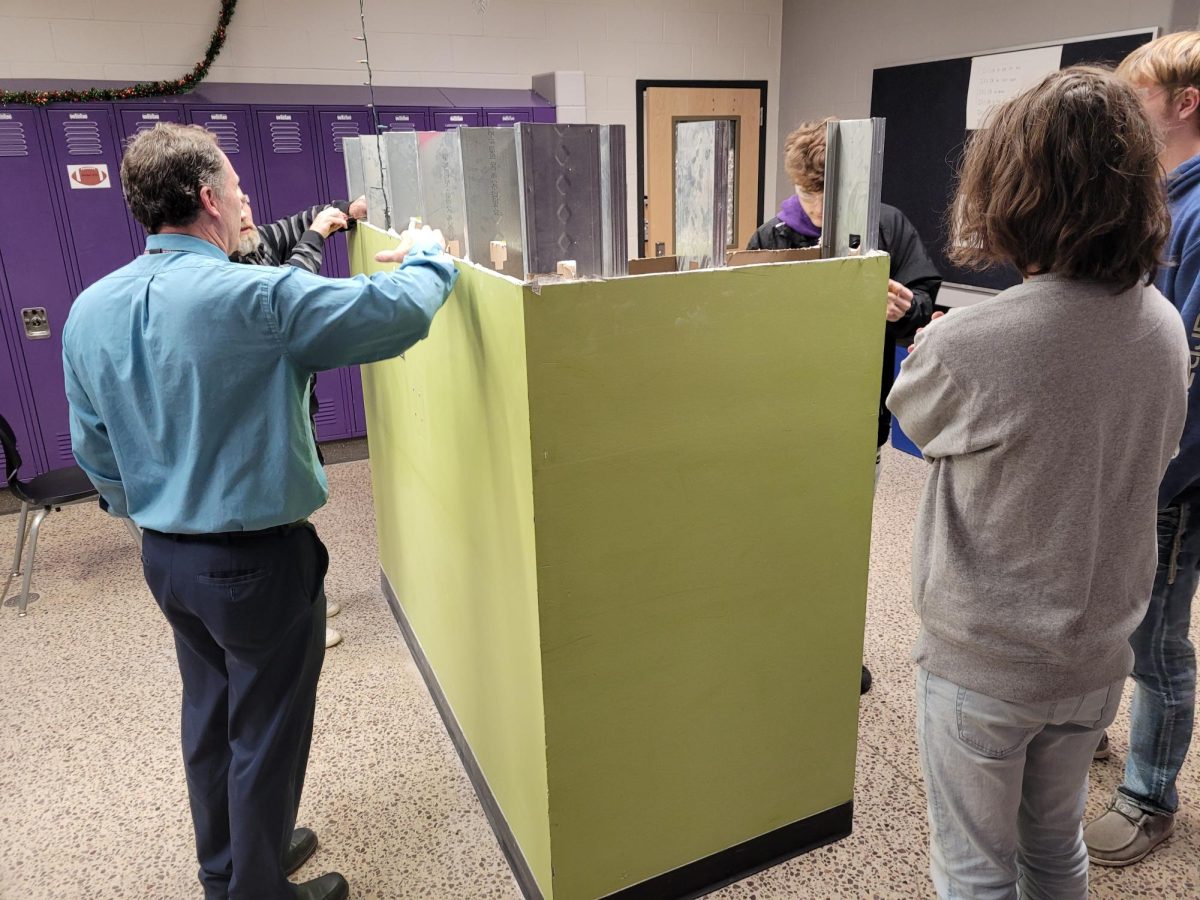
(1166, 76)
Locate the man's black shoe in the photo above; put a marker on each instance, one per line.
(302, 846)
(865, 684)
(328, 887)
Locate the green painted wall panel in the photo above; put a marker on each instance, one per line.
(449, 436)
(667, 664)
(703, 453)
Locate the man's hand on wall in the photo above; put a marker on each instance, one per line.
(408, 238)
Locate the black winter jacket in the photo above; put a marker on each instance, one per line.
(910, 265)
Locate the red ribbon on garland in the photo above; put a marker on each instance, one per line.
(142, 89)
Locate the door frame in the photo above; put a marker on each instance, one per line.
(642, 85)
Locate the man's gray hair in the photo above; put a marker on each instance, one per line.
(163, 171)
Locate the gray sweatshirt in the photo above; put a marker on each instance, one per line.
(1049, 413)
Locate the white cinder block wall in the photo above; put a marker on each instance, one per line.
(831, 48)
(444, 43)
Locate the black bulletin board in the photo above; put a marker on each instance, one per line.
(925, 105)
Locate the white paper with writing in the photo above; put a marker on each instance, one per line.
(1001, 76)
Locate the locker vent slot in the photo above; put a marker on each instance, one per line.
(340, 131)
(65, 456)
(138, 129)
(12, 139)
(227, 136)
(285, 137)
(27, 465)
(83, 138)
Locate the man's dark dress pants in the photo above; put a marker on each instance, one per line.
(248, 613)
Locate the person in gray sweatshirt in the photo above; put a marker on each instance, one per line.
(1049, 414)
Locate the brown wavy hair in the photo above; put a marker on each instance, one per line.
(1065, 179)
(804, 155)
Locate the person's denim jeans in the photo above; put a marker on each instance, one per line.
(1006, 785)
(1165, 667)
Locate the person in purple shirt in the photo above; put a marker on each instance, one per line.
(913, 281)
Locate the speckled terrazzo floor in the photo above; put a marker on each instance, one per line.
(92, 798)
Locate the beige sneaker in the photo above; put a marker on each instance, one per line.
(1126, 833)
(332, 608)
(1102, 751)
(332, 637)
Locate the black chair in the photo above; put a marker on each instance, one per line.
(53, 490)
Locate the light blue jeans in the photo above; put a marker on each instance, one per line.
(1165, 667)
(1006, 786)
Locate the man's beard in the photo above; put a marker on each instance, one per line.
(249, 243)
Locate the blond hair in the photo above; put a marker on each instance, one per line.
(1171, 61)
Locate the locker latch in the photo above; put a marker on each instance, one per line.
(37, 324)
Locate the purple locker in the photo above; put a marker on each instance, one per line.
(291, 165)
(13, 396)
(357, 406)
(231, 125)
(334, 420)
(292, 182)
(334, 127)
(502, 118)
(544, 114)
(133, 120)
(86, 166)
(402, 119)
(39, 290)
(444, 120)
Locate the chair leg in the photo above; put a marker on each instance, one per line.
(16, 566)
(33, 538)
(134, 531)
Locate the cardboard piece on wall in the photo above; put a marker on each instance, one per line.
(499, 254)
(654, 265)
(755, 257)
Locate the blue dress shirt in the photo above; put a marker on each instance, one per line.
(187, 377)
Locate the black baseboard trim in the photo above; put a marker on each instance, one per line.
(724, 868)
(504, 836)
(693, 880)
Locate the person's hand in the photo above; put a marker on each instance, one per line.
(358, 209)
(899, 301)
(329, 220)
(912, 348)
(407, 239)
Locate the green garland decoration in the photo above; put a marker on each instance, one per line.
(142, 89)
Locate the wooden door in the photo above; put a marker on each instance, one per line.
(663, 107)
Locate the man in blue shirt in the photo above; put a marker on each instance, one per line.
(186, 378)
